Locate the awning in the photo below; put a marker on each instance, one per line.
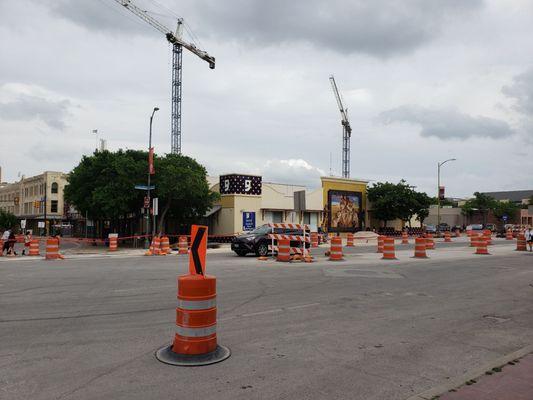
(212, 210)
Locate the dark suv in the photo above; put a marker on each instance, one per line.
(257, 241)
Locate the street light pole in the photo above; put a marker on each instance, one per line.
(440, 164)
(147, 209)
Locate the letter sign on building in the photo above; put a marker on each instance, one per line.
(240, 184)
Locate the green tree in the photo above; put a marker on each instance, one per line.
(481, 203)
(7, 220)
(421, 203)
(182, 189)
(505, 208)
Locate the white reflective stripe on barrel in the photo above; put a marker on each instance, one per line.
(196, 332)
(335, 252)
(197, 305)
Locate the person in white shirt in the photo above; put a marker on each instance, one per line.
(529, 237)
(5, 238)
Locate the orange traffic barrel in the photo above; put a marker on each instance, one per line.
(165, 246)
(349, 240)
(183, 246)
(509, 235)
(284, 250)
(473, 240)
(420, 248)
(52, 249)
(388, 249)
(314, 239)
(481, 245)
(469, 233)
(487, 234)
(156, 246)
(447, 236)
(430, 242)
(380, 243)
(335, 249)
(34, 247)
(195, 339)
(113, 243)
(405, 237)
(521, 244)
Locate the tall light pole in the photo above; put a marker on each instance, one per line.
(147, 209)
(440, 164)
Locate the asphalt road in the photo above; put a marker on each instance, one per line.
(358, 329)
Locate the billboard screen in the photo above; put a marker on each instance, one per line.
(344, 211)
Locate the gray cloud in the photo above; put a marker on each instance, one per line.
(27, 108)
(522, 91)
(447, 124)
(381, 28)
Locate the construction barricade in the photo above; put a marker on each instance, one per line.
(52, 249)
(183, 245)
(335, 250)
(349, 240)
(34, 247)
(447, 236)
(314, 239)
(430, 242)
(300, 252)
(381, 238)
(487, 234)
(473, 240)
(420, 248)
(405, 237)
(521, 244)
(388, 249)
(195, 338)
(283, 250)
(113, 241)
(481, 245)
(165, 246)
(509, 235)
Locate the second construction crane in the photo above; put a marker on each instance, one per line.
(346, 130)
(177, 52)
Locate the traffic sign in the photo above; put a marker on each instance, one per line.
(144, 187)
(505, 218)
(155, 206)
(198, 250)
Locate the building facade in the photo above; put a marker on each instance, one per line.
(36, 199)
(247, 202)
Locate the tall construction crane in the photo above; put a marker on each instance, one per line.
(346, 130)
(177, 53)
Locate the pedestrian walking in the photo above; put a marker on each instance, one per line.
(27, 241)
(5, 239)
(11, 243)
(529, 237)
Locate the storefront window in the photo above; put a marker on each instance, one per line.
(53, 206)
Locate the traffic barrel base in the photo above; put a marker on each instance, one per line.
(167, 356)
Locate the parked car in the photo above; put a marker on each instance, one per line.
(443, 226)
(474, 227)
(257, 241)
(431, 229)
(492, 227)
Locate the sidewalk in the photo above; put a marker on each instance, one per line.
(513, 381)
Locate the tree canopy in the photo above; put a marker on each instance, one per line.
(7, 220)
(391, 201)
(103, 185)
(482, 203)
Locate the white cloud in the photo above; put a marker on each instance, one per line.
(295, 171)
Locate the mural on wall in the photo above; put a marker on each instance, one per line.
(344, 210)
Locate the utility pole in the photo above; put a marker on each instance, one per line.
(150, 172)
(440, 164)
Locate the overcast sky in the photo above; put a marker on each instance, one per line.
(423, 81)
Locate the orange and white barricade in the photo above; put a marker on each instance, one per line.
(52, 249)
(473, 239)
(302, 239)
(34, 247)
(430, 242)
(521, 244)
(481, 245)
(183, 245)
(157, 246)
(405, 237)
(447, 236)
(349, 240)
(283, 250)
(165, 246)
(335, 252)
(487, 234)
(113, 241)
(314, 239)
(381, 239)
(420, 248)
(388, 249)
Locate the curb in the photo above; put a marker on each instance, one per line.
(473, 374)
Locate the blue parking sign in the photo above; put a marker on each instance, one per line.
(248, 220)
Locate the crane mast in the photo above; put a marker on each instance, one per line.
(346, 130)
(177, 56)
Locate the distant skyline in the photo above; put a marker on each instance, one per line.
(423, 81)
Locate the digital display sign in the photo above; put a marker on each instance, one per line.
(240, 184)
